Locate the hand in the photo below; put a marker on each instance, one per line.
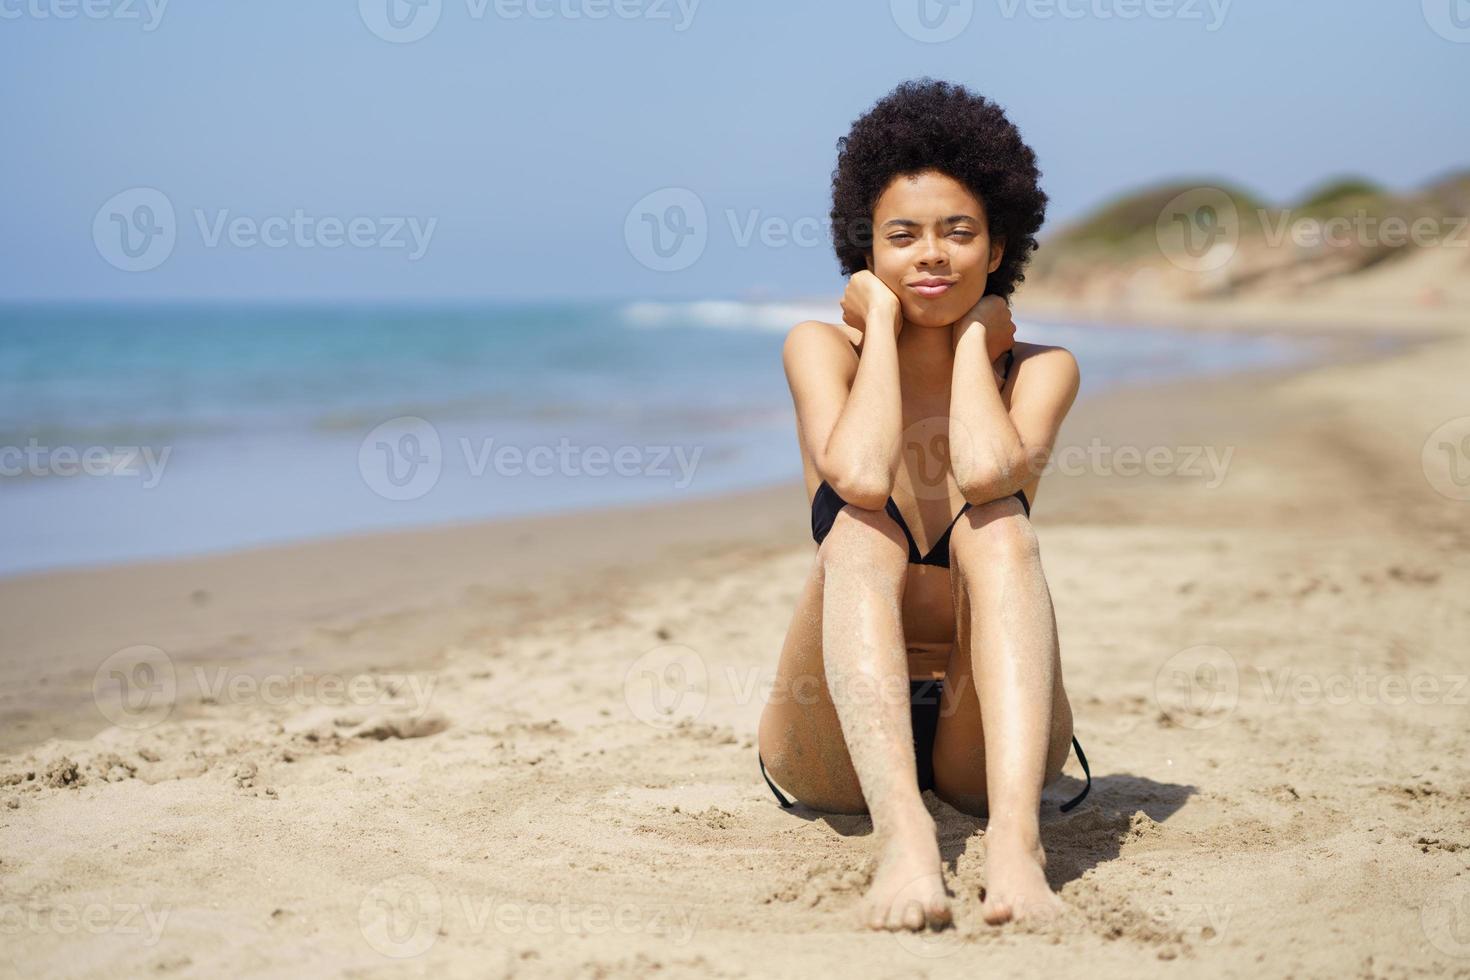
(868, 303)
(993, 316)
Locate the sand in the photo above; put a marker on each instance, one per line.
(526, 748)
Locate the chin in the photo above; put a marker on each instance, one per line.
(933, 314)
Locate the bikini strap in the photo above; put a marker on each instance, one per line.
(785, 803)
(1082, 758)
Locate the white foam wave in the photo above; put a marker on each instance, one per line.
(730, 314)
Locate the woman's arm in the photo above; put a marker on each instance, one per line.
(993, 452)
(852, 432)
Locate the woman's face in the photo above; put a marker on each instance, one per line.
(929, 229)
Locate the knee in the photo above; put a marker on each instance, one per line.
(869, 540)
(995, 531)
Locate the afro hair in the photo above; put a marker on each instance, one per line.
(924, 125)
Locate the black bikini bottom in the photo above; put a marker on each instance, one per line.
(924, 712)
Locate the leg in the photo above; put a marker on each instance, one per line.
(1006, 727)
(836, 731)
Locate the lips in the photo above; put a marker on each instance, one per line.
(931, 287)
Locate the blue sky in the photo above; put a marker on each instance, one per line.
(501, 155)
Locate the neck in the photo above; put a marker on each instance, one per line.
(926, 350)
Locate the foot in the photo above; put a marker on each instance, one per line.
(1015, 880)
(908, 889)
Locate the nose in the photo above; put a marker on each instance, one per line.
(931, 252)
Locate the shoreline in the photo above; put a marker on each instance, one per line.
(1366, 340)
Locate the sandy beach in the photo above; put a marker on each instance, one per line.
(526, 748)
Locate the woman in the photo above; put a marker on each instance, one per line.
(923, 650)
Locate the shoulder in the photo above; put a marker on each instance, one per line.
(1046, 359)
(816, 342)
(1046, 366)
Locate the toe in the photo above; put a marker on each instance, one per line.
(873, 916)
(913, 916)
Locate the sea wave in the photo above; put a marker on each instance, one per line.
(729, 314)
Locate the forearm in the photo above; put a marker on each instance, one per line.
(862, 453)
(987, 454)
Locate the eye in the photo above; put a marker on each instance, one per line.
(901, 236)
(963, 233)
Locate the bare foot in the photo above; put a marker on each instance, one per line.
(1015, 880)
(908, 889)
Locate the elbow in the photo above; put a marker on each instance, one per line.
(997, 478)
(861, 487)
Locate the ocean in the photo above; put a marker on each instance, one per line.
(133, 432)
